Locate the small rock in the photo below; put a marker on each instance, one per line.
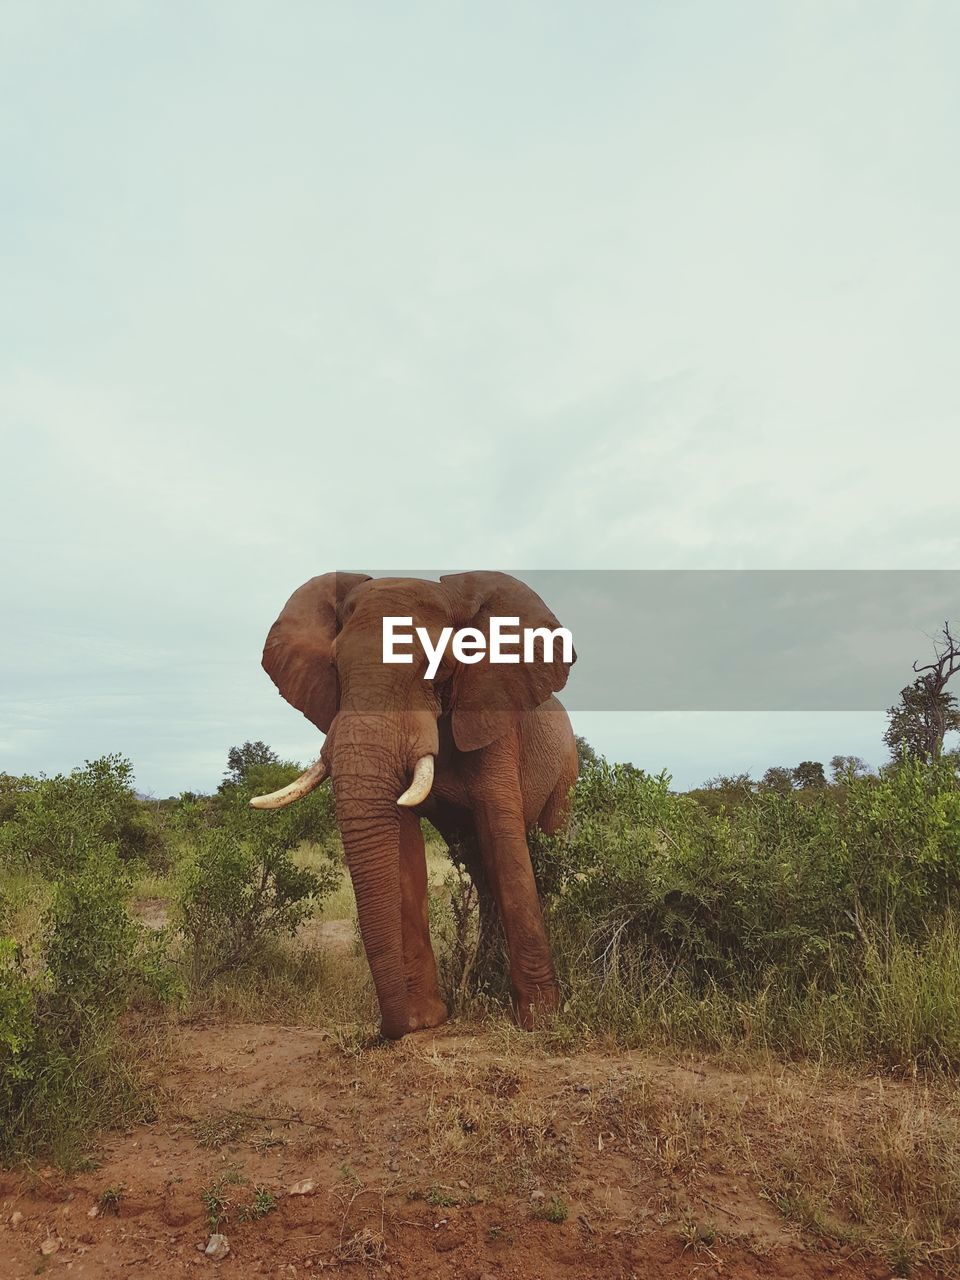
(16, 1218)
(50, 1246)
(462, 1184)
(301, 1188)
(93, 1211)
(538, 1195)
(217, 1247)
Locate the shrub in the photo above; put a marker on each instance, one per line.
(63, 1071)
(53, 824)
(240, 887)
(16, 1025)
(11, 788)
(462, 971)
(797, 913)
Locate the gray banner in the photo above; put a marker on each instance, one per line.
(742, 640)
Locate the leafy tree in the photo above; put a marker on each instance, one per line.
(724, 792)
(585, 753)
(843, 768)
(778, 778)
(632, 769)
(729, 782)
(809, 773)
(240, 760)
(11, 788)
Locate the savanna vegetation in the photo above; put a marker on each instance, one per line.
(810, 917)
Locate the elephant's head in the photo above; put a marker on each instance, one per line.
(382, 721)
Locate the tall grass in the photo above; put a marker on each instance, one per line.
(899, 1010)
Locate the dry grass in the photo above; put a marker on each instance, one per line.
(872, 1164)
(313, 986)
(875, 1164)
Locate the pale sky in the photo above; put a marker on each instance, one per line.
(306, 286)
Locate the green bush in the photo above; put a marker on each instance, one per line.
(53, 824)
(63, 1069)
(16, 1025)
(239, 886)
(11, 788)
(667, 914)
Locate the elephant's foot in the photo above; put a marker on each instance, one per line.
(427, 1012)
(534, 1008)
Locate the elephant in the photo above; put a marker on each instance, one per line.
(483, 750)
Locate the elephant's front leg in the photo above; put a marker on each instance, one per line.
(506, 857)
(420, 967)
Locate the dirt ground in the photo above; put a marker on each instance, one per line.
(449, 1154)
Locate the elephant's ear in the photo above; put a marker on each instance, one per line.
(487, 698)
(298, 654)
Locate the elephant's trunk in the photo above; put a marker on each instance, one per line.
(371, 842)
(372, 756)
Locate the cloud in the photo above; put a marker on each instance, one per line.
(666, 286)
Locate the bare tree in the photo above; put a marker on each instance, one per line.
(926, 712)
(933, 678)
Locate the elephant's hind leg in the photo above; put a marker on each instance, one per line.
(555, 814)
(420, 966)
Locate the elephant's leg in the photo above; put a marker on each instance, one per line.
(506, 857)
(420, 966)
(556, 812)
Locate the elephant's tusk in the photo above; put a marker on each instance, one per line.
(307, 782)
(419, 787)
